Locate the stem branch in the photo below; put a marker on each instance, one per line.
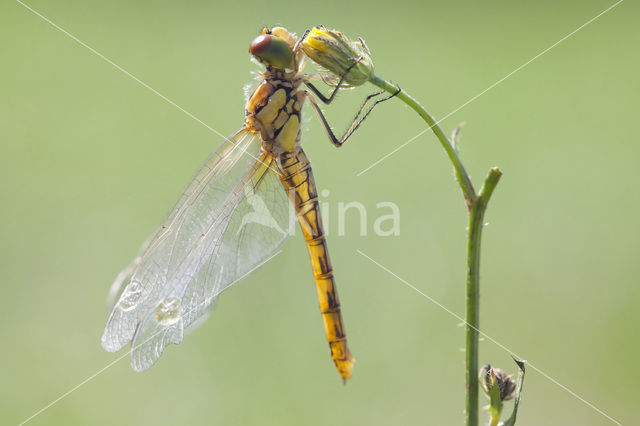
(476, 205)
(476, 223)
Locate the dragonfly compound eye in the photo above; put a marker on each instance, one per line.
(272, 51)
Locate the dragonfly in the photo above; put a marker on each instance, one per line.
(211, 239)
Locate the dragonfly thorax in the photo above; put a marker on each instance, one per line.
(274, 109)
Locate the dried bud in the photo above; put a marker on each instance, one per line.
(490, 377)
(333, 51)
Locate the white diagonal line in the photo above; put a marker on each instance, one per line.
(102, 370)
(500, 345)
(142, 83)
(77, 40)
(488, 88)
(67, 393)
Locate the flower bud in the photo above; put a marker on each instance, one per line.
(333, 51)
(490, 377)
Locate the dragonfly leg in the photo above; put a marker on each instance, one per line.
(328, 99)
(295, 50)
(355, 123)
(299, 42)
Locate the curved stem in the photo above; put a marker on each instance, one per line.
(476, 205)
(461, 174)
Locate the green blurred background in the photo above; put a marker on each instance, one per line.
(90, 161)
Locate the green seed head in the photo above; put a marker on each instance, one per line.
(333, 51)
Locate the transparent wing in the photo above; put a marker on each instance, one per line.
(124, 278)
(231, 218)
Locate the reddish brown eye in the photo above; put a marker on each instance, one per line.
(272, 51)
(260, 44)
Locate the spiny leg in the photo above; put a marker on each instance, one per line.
(326, 79)
(295, 50)
(355, 123)
(329, 99)
(299, 42)
(362, 107)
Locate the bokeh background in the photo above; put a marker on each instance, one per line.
(90, 161)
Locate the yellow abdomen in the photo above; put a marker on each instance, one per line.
(299, 183)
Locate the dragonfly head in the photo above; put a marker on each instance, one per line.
(273, 48)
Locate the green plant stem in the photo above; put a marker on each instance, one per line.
(476, 223)
(461, 174)
(476, 205)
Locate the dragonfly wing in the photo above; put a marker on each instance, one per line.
(243, 244)
(124, 278)
(205, 245)
(152, 271)
(257, 228)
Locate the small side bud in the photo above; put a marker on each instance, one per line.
(490, 377)
(499, 387)
(333, 51)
